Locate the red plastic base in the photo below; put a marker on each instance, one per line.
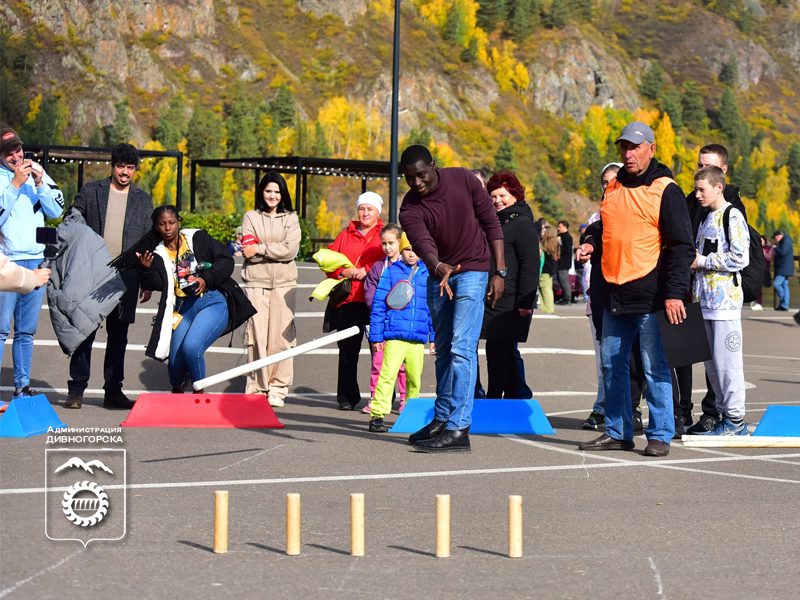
(244, 411)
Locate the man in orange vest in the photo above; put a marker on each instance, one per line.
(645, 241)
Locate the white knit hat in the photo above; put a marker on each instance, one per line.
(372, 199)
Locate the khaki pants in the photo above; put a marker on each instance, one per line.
(270, 331)
(546, 293)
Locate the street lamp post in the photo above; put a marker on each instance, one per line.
(395, 97)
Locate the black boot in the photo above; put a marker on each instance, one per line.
(456, 440)
(430, 431)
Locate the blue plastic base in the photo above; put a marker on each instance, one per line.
(26, 417)
(779, 421)
(488, 416)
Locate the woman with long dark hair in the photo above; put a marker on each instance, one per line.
(271, 240)
(507, 322)
(199, 300)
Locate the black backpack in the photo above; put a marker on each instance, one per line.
(752, 276)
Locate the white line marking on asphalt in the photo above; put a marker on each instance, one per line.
(19, 584)
(767, 318)
(617, 462)
(249, 457)
(657, 577)
(663, 464)
(768, 356)
(720, 453)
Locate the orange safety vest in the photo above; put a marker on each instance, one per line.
(631, 237)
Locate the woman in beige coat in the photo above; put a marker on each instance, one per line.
(271, 240)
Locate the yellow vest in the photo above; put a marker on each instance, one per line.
(631, 237)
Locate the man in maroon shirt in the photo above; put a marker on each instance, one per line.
(445, 215)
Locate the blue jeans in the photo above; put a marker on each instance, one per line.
(24, 309)
(619, 333)
(457, 325)
(781, 284)
(204, 319)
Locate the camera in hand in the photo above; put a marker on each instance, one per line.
(28, 156)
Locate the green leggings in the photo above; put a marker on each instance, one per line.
(395, 354)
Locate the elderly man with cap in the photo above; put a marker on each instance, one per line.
(27, 196)
(361, 243)
(645, 240)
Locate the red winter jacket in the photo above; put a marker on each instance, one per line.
(362, 251)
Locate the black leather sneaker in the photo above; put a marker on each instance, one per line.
(117, 399)
(376, 425)
(454, 440)
(431, 430)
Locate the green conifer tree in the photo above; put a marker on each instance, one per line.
(671, 104)
(694, 113)
(732, 125)
(593, 164)
(321, 148)
(48, 126)
(455, 27)
(283, 108)
(582, 9)
(490, 13)
(793, 165)
(171, 126)
(419, 138)
(745, 178)
(518, 24)
(546, 195)
(506, 157)
(470, 52)
(653, 81)
(204, 140)
(558, 15)
(241, 126)
(762, 223)
(729, 75)
(558, 160)
(121, 129)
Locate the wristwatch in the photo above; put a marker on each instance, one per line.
(501, 273)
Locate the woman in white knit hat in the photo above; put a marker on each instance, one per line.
(360, 241)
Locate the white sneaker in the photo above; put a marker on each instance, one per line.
(276, 401)
(755, 306)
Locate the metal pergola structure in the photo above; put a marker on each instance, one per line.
(47, 155)
(297, 165)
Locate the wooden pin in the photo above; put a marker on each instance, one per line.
(220, 522)
(442, 526)
(293, 524)
(356, 524)
(515, 526)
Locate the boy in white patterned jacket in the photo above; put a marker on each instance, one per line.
(718, 288)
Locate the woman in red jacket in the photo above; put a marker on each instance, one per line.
(361, 243)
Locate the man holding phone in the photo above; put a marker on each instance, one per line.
(120, 213)
(27, 196)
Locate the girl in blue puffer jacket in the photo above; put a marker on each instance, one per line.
(399, 332)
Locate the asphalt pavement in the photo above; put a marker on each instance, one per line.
(721, 523)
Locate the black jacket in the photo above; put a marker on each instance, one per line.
(670, 279)
(218, 277)
(698, 213)
(521, 244)
(92, 203)
(565, 260)
(550, 265)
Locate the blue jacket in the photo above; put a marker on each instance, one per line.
(413, 323)
(23, 210)
(784, 257)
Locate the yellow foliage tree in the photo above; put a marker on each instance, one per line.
(763, 156)
(381, 8)
(521, 79)
(648, 117)
(665, 141)
(229, 189)
(351, 130)
(688, 158)
(35, 106)
(504, 65)
(327, 222)
(775, 192)
(595, 127)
